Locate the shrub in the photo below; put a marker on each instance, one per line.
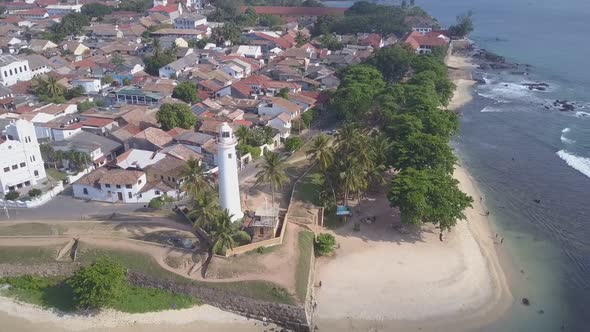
(293, 143)
(26, 282)
(242, 238)
(35, 193)
(156, 203)
(356, 227)
(98, 285)
(12, 195)
(325, 244)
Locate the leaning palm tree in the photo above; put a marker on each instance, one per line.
(321, 152)
(272, 173)
(352, 179)
(205, 212)
(196, 179)
(220, 237)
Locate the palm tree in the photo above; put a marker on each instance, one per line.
(243, 133)
(353, 180)
(221, 236)
(321, 152)
(272, 173)
(48, 86)
(205, 212)
(196, 179)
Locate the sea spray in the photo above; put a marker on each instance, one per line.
(578, 163)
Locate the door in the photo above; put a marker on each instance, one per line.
(120, 196)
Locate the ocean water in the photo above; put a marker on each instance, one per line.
(533, 164)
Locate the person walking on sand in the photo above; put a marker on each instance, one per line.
(502, 241)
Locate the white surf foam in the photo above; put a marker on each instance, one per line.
(491, 109)
(565, 130)
(567, 140)
(578, 163)
(582, 114)
(505, 92)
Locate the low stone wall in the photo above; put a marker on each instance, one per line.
(288, 316)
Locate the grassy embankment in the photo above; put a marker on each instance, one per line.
(135, 299)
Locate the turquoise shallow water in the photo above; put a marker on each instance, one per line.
(533, 165)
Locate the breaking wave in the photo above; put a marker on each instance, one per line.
(578, 163)
(491, 109)
(565, 130)
(581, 114)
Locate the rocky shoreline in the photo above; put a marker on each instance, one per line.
(489, 61)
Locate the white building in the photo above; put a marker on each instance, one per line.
(63, 9)
(90, 85)
(249, 51)
(14, 70)
(189, 21)
(21, 164)
(227, 160)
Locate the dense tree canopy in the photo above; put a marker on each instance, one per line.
(463, 26)
(96, 10)
(187, 92)
(176, 115)
(98, 285)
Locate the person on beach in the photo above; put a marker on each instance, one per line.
(502, 241)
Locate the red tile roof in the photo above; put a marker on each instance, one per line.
(96, 122)
(170, 8)
(35, 11)
(416, 39)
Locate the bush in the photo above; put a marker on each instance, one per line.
(35, 193)
(12, 195)
(98, 285)
(26, 282)
(325, 244)
(356, 227)
(293, 143)
(242, 238)
(156, 203)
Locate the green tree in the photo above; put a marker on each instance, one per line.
(98, 285)
(106, 79)
(429, 195)
(221, 235)
(48, 88)
(117, 59)
(321, 152)
(187, 92)
(126, 82)
(228, 32)
(96, 10)
(422, 151)
(272, 173)
(293, 144)
(197, 181)
(139, 6)
(175, 115)
(12, 195)
(206, 211)
(283, 93)
(393, 62)
(270, 21)
(463, 26)
(301, 39)
(35, 193)
(324, 244)
(243, 134)
(71, 24)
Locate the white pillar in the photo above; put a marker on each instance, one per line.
(229, 186)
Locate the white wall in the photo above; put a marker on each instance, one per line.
(15, 72)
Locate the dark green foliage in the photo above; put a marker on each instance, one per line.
(176, 115)
(71, 24)
(429, 195)
(86, 105)
(242, 238)
(392, 62)
(35, 192)
(187, 92)
(12, 195)
(324, 25)
(293, 144)
(158, 59)
(422, 151)
(324, 244)
(139, 6)
(308, 117)
(228, 32)
(96, 10)
(330, 42)
(98, 285)
(283, 93)
(368, 17)
(156, 203)
(463, 26)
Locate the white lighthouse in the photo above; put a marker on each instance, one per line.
(229, 187)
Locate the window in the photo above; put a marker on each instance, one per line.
(118, 186)
(36, 173)
(261, 231)
(107, 185)
(157, 192)
(161, 177)
(85, 191)
(139, 181)
(229, 155)
(130, 195)
(10, 71)
(5, 73)
(20, 185)
(128, 186)
(225, 134)
(173, 179)
(6, 169)
(14, 166)
(23, 164)
(27, 183)
(169, 179)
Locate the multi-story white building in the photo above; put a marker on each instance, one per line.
(21, 164)
(63, 9)
(189, 21)
(14, 70)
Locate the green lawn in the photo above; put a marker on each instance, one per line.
(55, 293)
(29, 255)
(32, 228)
(55, 174)
(303, 264)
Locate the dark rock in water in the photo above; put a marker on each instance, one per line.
(503, 65)
(536, 86)
(541, 311)
(525, 301)
(537, 201)
(518, 73)
(478, 77)
(489, 56)
(485, 66)
(564, 105)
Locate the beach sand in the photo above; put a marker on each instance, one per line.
(380, 280)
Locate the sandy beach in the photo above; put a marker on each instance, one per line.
(381, 280)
